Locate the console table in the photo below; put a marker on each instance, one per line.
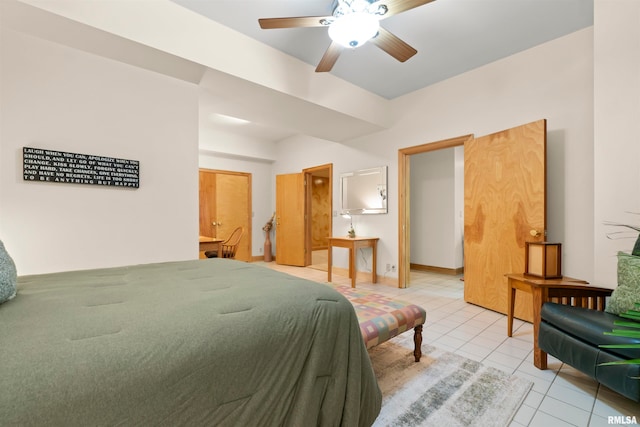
(564, 290)
(353, 244)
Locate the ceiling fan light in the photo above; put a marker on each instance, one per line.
(354, 29)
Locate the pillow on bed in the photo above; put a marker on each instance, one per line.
(627, 293)
(8, 275)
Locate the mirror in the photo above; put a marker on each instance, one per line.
(364, 192)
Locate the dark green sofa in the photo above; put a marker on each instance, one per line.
(573, 334)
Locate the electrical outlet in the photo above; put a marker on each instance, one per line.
(388, 267)
(393, 268)
(260, 250)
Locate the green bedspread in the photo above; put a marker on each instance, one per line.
(208, 342)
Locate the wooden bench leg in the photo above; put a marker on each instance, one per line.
(417, 340)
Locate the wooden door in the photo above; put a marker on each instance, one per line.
(504, 200)
(225, 203)
(290, 220)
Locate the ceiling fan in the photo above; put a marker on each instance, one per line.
(353, 23)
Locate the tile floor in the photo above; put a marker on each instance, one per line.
(561, 396)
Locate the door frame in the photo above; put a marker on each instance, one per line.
(404, 199)
(308, 173)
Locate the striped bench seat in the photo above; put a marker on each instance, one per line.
(382, 318)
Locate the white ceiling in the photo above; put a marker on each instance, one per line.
(451, 36)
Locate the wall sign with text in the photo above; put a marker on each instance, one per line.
(40, 165)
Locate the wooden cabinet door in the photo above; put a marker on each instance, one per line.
(225, 203)
(290, 219)
(504, 200)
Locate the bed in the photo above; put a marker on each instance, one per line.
(206, 342)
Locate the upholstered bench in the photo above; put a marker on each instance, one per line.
(382, 318)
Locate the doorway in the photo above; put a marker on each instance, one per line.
(437, 211)
(404, 192)
(225, 204)
(320, 207)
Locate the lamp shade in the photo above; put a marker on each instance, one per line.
(543, 259)
(354, 29)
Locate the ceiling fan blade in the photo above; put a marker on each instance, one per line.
(329, 58)
(393, 45)
(302, 21)
(398, 6)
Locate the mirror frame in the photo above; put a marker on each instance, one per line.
(382, 171)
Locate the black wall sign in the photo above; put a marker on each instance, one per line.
(41, 165)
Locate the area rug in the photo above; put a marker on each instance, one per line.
(443, 389)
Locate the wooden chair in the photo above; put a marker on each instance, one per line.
(228, 248)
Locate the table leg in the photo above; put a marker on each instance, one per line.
(511, 299)
(374, 268)
(329, 267)
(352, 266)
(540, 295)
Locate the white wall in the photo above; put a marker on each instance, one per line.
(435, 214)
(552, 81)
(617, 126)
(59, 98)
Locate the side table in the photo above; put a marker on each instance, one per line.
(208, 244)
(565, 290)
(353, 243)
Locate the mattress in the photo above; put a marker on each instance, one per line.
(206, 342)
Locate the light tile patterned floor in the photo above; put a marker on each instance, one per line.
(561, 396)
